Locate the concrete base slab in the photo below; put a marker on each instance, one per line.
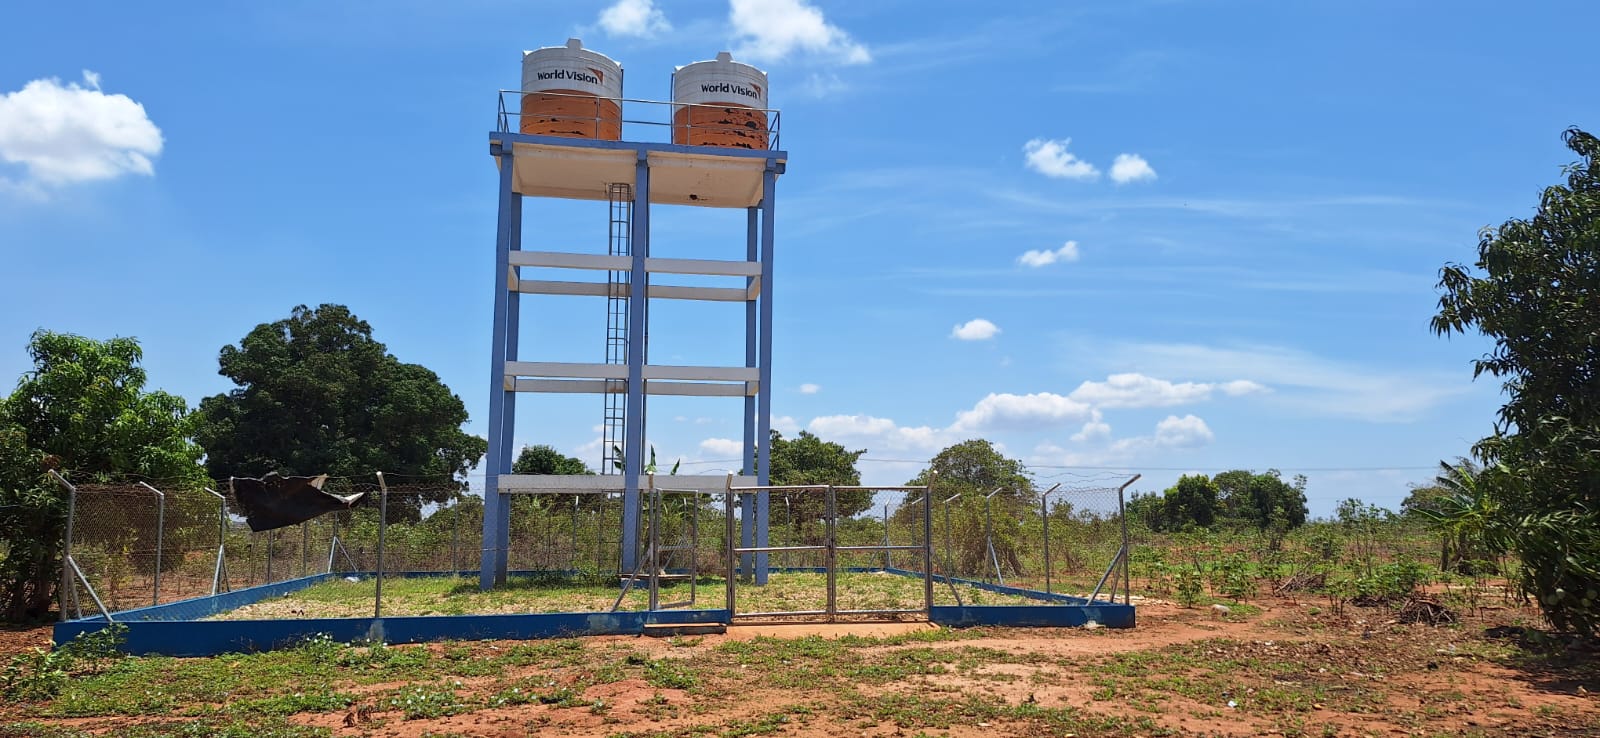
(667, 630)
(748, 631)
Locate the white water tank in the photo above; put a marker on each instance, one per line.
(720, 103)
(571, 91)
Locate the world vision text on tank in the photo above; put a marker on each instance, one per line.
(751, 91)
(593, 76)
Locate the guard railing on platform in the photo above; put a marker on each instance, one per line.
(506, 117)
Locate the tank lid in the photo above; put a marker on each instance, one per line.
(723, 57)
(574, 43)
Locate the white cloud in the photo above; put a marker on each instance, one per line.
(639, 18)
(1172, 432)
(1138, 390)
(997, 411)
(786, 425)
(61, 134)
(877, 434)
(1131, 389)
(723, 447)
(1036, 258)
(810, 389)
(1185, 432)
(1051, 158)
(976, 329)
(770, 30)
(1094, 430)
(1240, 387)
(1131, 168)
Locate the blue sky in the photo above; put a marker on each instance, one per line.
(1198, 236)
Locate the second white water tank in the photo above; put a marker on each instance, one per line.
(720, 103)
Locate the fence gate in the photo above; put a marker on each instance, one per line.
(672, 536)
(827, 552)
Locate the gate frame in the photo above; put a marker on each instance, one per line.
(830, 548)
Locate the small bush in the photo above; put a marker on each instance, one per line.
(41, 673)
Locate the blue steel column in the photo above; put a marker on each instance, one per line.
(769, 182)
(489, 569)
(638, 305)
(508, 425)
(747, 509)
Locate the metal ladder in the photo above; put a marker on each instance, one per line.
(620, 243)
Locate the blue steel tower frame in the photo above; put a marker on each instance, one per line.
(750, 182)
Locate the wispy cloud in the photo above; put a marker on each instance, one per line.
(1301, 381)
(810, 389)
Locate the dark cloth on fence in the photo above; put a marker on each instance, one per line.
(277, 502)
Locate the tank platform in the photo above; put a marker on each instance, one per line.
(583, 168)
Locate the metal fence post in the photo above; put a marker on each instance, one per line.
(988, 535)
(927, 545)
(728, 546)
(333, 541)
(572, 556)
(888, 559)
(383, 524)
(219, 571)
(788, 528)
(161, 523)
(831, 531)
(1122, 514)
(455, 537)
(66, 543)
(1044, 510)
(949, 554)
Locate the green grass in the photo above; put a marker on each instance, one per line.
(461, 596)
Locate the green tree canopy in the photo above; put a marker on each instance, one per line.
(1192, 501)
(1535, 291)
(976, 466)
(317, 394)
(542, 459)
(81, 409)
(807, 459)
(1263, 501)
(973, 469)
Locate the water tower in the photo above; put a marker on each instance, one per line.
(563, 136)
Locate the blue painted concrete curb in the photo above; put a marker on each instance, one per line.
(178, 628)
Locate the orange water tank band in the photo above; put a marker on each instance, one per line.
(571, 114)
(732, 126)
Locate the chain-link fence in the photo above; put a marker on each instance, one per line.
(138, 545)
(557, 532)
(134, 545)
